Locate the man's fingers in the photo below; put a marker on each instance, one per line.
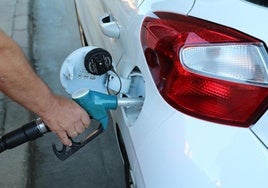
(64, 138)
(79, 128)
(72, 133)
(85, 120)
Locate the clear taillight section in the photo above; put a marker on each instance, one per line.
(207, 70)
(243, 63)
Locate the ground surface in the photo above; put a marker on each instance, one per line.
(97, 165)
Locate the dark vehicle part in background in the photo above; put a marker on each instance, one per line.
(259, 2)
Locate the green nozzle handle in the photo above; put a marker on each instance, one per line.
(96, 104)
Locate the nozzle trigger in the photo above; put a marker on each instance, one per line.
(66, 151)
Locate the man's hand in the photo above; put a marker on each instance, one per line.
(66, 119)
(19, 81)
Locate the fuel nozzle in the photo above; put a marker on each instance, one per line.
(96, 105)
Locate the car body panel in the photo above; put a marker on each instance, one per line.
(202, 155)
(261, 129)
(179, 6)
(249, 18)
(165, 147)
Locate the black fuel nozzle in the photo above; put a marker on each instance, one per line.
(27, 132)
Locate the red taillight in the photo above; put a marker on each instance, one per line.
(207, 70)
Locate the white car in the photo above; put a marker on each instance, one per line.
(202, 68)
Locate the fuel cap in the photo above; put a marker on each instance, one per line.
(75, 76)
(98, 61)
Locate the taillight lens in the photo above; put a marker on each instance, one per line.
(207, 70)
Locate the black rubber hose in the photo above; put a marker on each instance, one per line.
(19, 136)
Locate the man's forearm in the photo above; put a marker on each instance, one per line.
(19, 81)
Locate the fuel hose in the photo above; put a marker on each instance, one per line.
(29, 131)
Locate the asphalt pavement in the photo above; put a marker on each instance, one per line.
(47, 32)
(14, 164)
